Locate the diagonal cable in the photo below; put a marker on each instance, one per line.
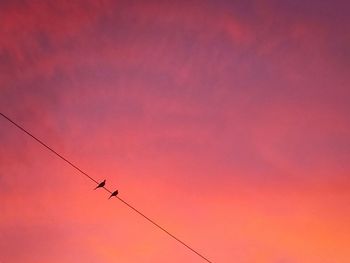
(96, 182)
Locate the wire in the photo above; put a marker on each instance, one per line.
(49, 148)
(96, 182)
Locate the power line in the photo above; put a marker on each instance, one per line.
(96, 182)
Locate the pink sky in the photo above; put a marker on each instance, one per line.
(227, 122)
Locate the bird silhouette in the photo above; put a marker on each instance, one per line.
(102, 184)
(114, 194)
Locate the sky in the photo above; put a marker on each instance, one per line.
(227, 122)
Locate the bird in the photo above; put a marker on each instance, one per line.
(114, 194)
(102, 184)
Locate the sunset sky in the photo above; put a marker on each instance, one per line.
(227, 122)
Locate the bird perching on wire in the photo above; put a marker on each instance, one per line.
(102, 184)
(115, 193)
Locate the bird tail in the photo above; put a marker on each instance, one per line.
(110, 197)
(96, 187)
